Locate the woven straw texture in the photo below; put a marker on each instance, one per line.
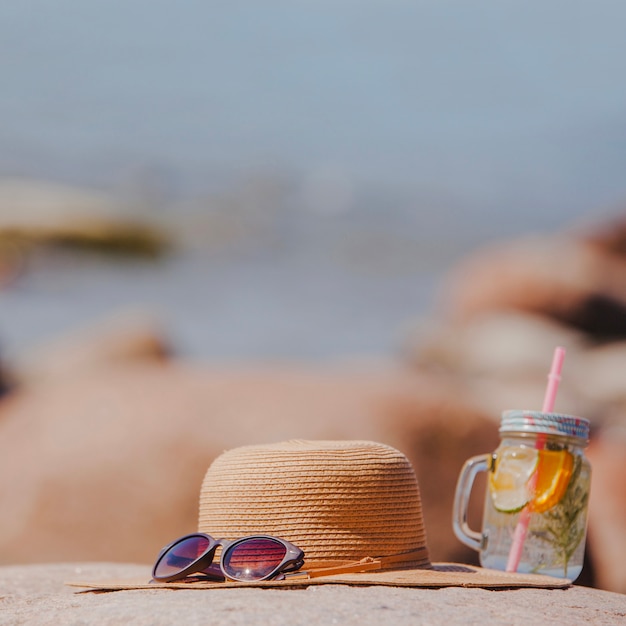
(336, 500)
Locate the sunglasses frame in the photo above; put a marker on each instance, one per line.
(293, 559)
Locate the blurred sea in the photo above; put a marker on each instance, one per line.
(394, 137)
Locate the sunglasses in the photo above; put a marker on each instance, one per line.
(255, 558)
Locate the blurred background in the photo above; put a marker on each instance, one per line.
(315, 166)
(252, 192)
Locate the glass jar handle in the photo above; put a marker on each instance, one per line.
(464, 533)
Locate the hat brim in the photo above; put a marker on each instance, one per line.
(440, 575)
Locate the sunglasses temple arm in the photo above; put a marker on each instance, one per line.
(364, 565)
(368, 563)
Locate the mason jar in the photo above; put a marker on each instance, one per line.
(535, 511)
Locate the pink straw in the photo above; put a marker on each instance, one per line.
(519, 537)
(554, 377)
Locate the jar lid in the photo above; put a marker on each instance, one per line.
(545, 423)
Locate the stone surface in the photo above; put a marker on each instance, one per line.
(36, 595)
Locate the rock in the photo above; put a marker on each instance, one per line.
(126, 336)
(501, 360)
(609, 236)
(510, 343)
(36, 212)
(599, 373)
(560, 277)
(607, 510)
(119, 455)
(36, 594)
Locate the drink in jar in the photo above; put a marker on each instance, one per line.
(535, 511)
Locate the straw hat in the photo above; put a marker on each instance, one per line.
(350, 505)
(339, 501)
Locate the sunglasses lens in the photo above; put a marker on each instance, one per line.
(253, 559)
(181, 555)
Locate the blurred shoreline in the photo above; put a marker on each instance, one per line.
(252, 272)
(247, 276)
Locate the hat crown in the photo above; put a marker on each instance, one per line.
(336, 500)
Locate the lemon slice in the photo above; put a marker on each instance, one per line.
(508, 482)
(554, 471)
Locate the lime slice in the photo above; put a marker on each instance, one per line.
(508, 482)
(554, 471)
